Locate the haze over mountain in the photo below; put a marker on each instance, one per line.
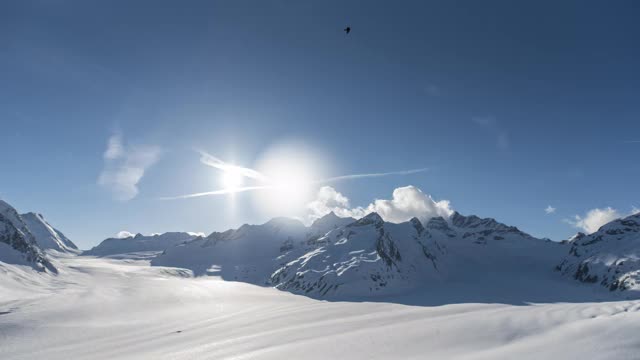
(139, 243)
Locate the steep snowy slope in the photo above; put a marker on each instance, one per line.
(46, 235)
(139, 243)
(17, 244)
(364, 257)
(609, 257)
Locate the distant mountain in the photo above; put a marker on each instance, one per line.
(248, 253)
(362, 257)
(140, 243)
(609, 257)
(46, 235)
(17, 244)
(348, 257)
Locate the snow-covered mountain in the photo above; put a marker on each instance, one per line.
(348, 257)
(362, 257)
(249, 253)
(140, 243)
(17, 244)
(609, 257)
(46, 236)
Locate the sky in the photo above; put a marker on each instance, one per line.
(524, 112)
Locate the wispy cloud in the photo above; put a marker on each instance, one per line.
(370, 175)
(265, 182)
(490, 123)
(214, 162)
(217, 192)
(124, 166)
(550, 209)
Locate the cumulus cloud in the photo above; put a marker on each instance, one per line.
(594, 219)
(550, 209)
(124, 234)
(124, 167)
(405, 203)
(328, 200)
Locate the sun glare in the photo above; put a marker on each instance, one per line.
(231, 179)
(291, 169)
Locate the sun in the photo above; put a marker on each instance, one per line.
(291, 170)
(231, 179)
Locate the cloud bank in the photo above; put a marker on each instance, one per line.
(124, 167)
(405, 203)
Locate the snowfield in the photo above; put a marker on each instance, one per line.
(105, 308)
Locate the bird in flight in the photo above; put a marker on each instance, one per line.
(347, 29)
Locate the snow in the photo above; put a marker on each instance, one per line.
(455, 288)
(140, 243)
(46, 235)
(19, 245)
(609, 257)
(102, 308)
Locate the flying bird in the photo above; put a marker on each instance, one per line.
(347, 29)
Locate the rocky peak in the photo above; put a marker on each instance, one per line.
(372, 218)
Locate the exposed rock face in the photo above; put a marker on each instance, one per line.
(17, 244)
(609, 257)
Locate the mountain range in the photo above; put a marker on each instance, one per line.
(345, 257)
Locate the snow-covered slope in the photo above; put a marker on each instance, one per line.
(140, 243)
(46, 235)
(609, 257)
(338, 257)
(17, 244)
(363, 257)
(101, 308)
(248, 253)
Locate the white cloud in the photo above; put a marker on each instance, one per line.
(115, 148)
(406, 202)
(124, 234)
(594, 219)
(550, 209)
(328, 200)
(196, 233)
(124, 167)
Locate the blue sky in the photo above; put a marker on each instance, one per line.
(511, 107)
